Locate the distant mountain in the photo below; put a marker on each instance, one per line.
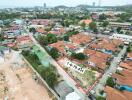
(61, 6)
(125, 7)
(83, 6)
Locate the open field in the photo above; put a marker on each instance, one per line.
(17, 81)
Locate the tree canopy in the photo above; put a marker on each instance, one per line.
(54, 53)
(93, 26)
(105, 23)
(79, 56)
(110, 82)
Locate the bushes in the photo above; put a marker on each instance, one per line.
(54, 53)
(100, 98)
(48, 73)
(72, 32)
(49, 39)
(79, 56)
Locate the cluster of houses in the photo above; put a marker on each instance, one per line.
(122, 78)
(15, 35)
(98, 51)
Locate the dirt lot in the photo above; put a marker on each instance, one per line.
(19, 83)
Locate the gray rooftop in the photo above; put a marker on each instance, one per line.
(63, 89)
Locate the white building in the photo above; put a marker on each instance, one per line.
(125, 38)
(125, 26)
(73, 96)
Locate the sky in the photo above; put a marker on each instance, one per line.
(30, 3)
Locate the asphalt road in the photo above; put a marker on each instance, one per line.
(112, 69)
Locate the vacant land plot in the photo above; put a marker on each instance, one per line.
(19, 82)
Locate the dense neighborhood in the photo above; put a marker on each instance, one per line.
(66, 53)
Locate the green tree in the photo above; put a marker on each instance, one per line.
(66, 38)
(51, 38)
(79, 56)
(102, 17)
(118, 29)
(49, 75)
(72, 32)
(33, 30)
(110, 82)
(83, 25)
(42, 40)
(105, 24)
(92, 26)
(54, 53)
(129, 49)
(1, 37)
(100, 98)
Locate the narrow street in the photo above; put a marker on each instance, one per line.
(112, 69)
(66, 77)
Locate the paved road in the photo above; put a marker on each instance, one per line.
(66, 77)
(112, 69)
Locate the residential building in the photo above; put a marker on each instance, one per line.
(87, 21)
(125, 26)
(126, 38)
(114, 94)
(106, 45)
(81, 39)
(24, 42)
(129, 56)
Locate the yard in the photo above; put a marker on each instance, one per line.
(86, 79)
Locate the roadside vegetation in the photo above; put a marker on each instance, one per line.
(48, 73)
(48, 39)
(110, 82)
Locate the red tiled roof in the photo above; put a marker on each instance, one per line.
(123, 79)
(80, 39)
(23, 38)
(40, 30)
(113, 94)
(126, 65)
(129, 55)
(87, 21)
(105, 43)
(97, 54)
(99, 62)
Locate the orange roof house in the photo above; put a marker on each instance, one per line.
(113, 94)
(99, 62)
(129, 55)
(98, 54)
(80, 39)
(106, 44)
(40, 30)
(60, 45)
(87, 21)
(23, 41)
(123, 79)
(126, 65)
